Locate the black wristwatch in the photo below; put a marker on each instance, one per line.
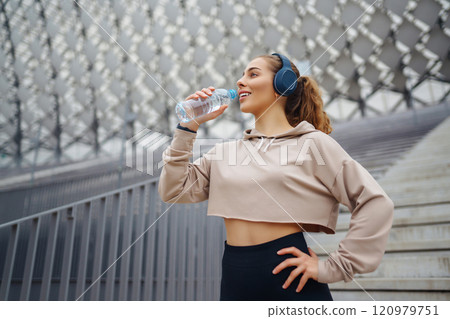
(185, 128)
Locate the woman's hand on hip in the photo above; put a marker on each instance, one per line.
(304, 263)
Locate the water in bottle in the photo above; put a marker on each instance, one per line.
(191, 109)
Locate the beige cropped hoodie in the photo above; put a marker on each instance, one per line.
(297, 176)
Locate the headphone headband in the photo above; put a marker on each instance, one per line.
(285, 80)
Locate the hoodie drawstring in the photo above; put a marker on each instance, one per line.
(265, 148)
(261, 143)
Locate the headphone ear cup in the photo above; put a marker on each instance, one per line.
(285, 82)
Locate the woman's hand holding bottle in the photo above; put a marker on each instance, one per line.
(195, 123)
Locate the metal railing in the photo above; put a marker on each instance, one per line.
(122, 245)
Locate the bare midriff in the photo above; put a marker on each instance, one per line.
(245, 233)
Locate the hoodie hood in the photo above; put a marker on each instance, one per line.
(302, 128)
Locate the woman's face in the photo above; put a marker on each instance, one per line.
(257, 80)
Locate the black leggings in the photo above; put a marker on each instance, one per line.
(247, 273)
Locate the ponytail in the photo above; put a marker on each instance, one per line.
(306, 103)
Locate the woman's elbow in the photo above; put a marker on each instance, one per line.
(164, 194)
(385, 205)
(390, 206)
(164, 198)
(372, 266)
(170, 199)
(371, 263)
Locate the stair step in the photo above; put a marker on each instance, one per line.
(418, 245)
(423, 237)
(425, 161)
(381, 150)
(385, 158)
(409, 264)
(413, 283)
(437, 178)
(414, 264)
(416, 174)
(424, 245)
(432, 143)
(440, 196)
(342, 295)
(426, 214)
(422, 186)
(433, 147)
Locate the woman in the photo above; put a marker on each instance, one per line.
(269, 196)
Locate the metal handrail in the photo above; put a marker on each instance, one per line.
(49, 211)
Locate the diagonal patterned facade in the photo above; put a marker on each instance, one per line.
(78, 78)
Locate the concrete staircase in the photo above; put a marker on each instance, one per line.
(416, 265)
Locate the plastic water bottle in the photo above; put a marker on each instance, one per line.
(191, 109)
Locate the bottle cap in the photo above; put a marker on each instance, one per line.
(232, 94)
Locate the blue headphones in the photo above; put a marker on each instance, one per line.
(285, 81)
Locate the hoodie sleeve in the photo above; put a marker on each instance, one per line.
(372, 211)
(180, 180)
